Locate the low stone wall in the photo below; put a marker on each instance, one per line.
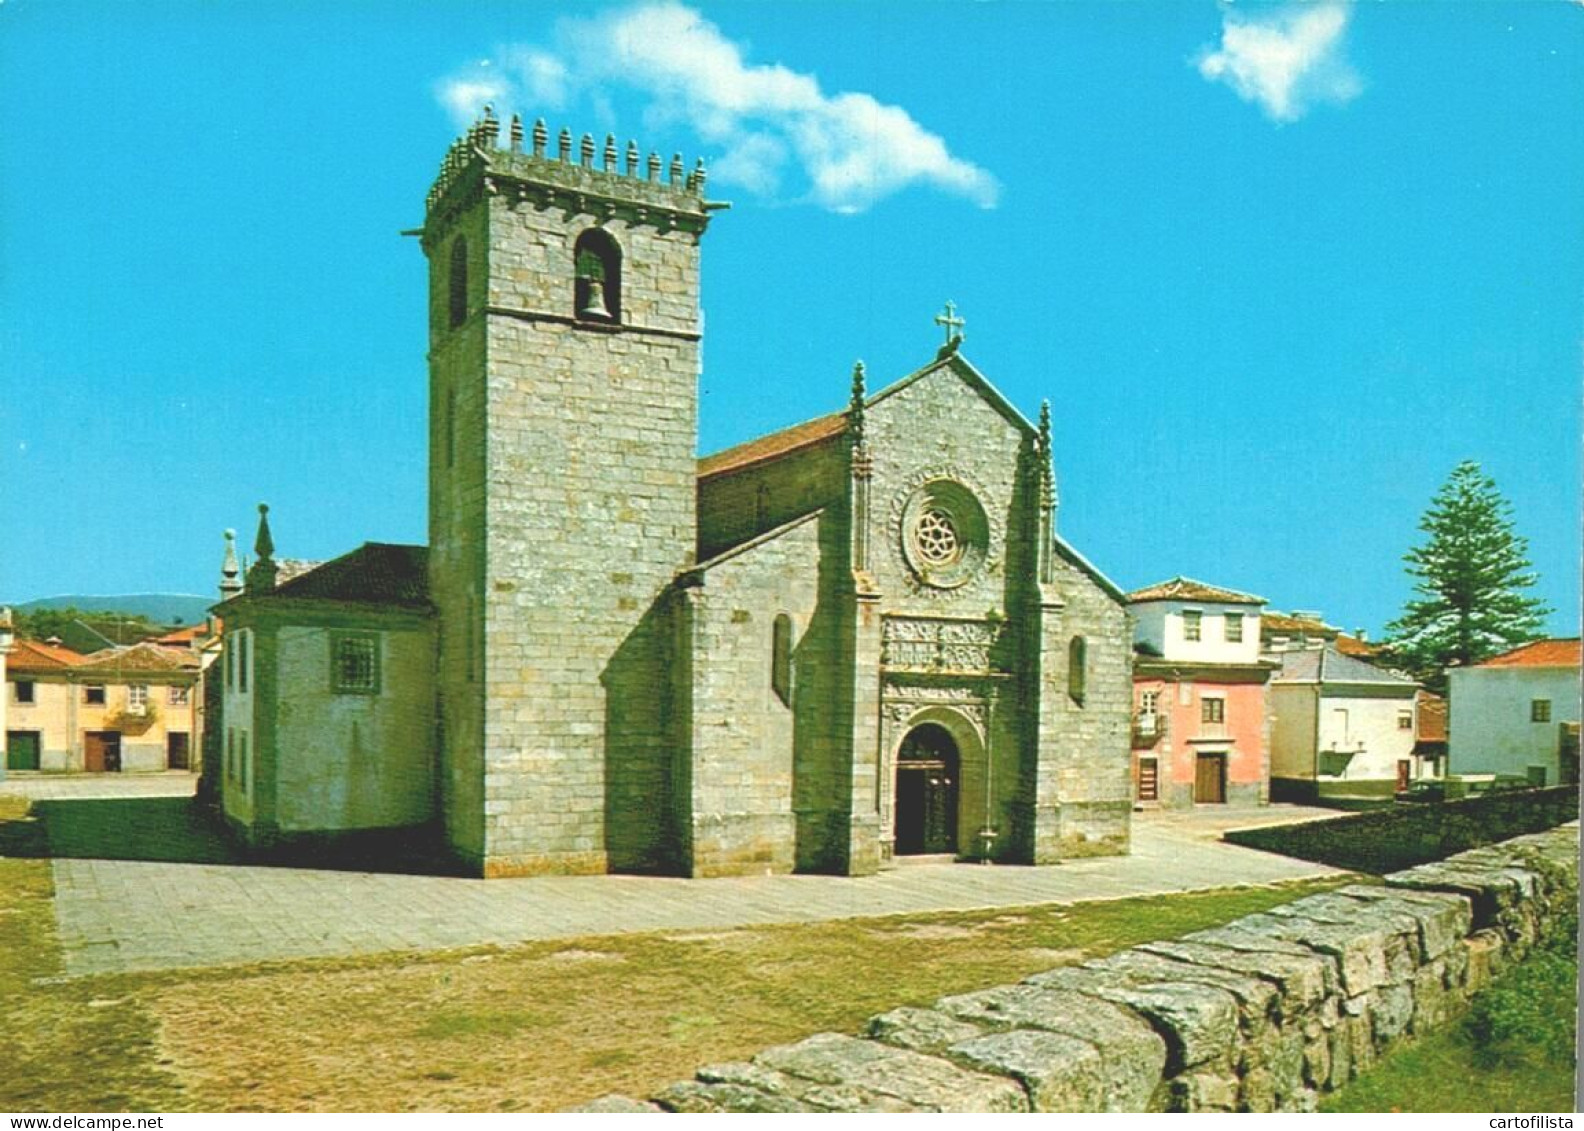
(1263, 1014)
(1401, 836)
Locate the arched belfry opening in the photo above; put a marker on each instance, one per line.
(597, 261)
(928, 775)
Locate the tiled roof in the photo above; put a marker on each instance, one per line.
(1432, 715)
(32, 655)
(803, 435)
(1327, 665)
(1353, 646)
(144, 657)
(376, 573)
(1538, 654)
(187, 637)
(1187, 589)
(1282, 624)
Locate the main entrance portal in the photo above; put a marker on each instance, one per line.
(928, 768)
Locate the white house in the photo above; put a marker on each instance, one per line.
(1341, 728)
(1518, 713)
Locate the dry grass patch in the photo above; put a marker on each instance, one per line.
(546, 1026)
(541, 1026)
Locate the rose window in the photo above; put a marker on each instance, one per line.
(944, 533)
(937, 538)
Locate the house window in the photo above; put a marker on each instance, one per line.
(94, 695)
(1191, 625)
(1540, 711)
(138, 698)
(180, 696)
(1405, 720)
(1233, 628)
(597, 266)
(457, 282)
(354, 665)
(1149, 703)
(781, 658)
(1077, 669)
(1212, 710)
(22, 691)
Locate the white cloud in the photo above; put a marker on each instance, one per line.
(1286, 61)
(765, 120)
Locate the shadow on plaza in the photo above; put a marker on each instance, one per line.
(177, 830)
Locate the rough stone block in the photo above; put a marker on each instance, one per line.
(1432, 1000)
(615, 1104)
(1444, 918)
(1256, 997)
(1060, 1073)
(1132, 1054)
(1204, 1091)
(888, 1078)
(1391, 1011)
(1360, 951)
(921, 1030)
(1302, 976)
(1199, 1022)
(691, 1097)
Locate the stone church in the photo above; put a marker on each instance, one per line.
(853, 640)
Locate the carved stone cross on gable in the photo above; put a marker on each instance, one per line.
(948, 318)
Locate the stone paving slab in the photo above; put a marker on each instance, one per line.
(120, 915)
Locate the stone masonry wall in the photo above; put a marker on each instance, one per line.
(1399, 836)
(1262, 1014)
(1082, 797)
(742, 733)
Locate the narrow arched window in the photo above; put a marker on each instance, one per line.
(1077, 669)
(781, 658)
(597, 263)
(458, 282)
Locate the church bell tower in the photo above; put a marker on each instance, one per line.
(564, 364)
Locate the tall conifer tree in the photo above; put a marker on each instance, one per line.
(1470, 578)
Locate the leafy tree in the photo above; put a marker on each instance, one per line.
(1470, 580)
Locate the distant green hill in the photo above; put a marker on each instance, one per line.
(161, 608)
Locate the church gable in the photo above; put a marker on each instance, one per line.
(952, 501)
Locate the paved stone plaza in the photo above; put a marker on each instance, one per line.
(124, 915)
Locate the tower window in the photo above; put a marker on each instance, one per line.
(1077, 669)
(458, 282)
(597, 265)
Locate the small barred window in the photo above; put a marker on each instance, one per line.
(355, 663)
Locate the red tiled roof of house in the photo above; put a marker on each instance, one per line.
(186, 637)
(1565, 653)
(1283, 623)
(803, 435)
(1353, 646)
(33, 655)
(1187, 589)
(143, 658)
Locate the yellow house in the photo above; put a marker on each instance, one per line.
(129, 709)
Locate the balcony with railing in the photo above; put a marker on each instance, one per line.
(1149, 727)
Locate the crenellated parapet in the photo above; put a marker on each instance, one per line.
(604, 181)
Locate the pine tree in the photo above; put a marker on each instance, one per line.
(1470, 581)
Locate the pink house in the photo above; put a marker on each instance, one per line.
(1199, 720)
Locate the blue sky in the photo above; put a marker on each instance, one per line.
(1278, 269)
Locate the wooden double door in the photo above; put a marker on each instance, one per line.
(927, 776)
(1210, 771)
(102, 751)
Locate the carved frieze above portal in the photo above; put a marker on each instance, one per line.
(939, 644)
